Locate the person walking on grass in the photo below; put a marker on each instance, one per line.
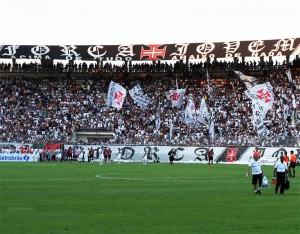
(101, 156)
(210, 157)
(293, 160)
(145, 158)
(171, 156)
(119, 155)
(257, 173)
(281, 173)
(255, 152)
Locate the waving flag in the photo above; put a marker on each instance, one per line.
(203, 116)
(262, 97)
(190, 111)
(294, 112)
(289, 75)
(176, 97)
(139, 97)
(212, 117)
(158, 121)
(116, 95)
(209, 87)
(249, 81)
(263, 94)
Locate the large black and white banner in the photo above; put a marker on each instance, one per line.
(152, 52)
(9, 152)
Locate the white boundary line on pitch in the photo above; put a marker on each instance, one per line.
(199, 180)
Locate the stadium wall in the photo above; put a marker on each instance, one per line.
(130, 153)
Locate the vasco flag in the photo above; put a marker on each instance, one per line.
(116, 95)
(176, 97)
(294, 118)
(262, 93)
(262, 97)
(203, 116)
(249, 81)
(139, 97)
(190, 111)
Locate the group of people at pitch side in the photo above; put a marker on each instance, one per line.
(210, 155)
(283, 169)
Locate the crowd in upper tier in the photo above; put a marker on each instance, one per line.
(51, 108)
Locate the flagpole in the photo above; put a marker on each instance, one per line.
(158, 120)
(212, 117)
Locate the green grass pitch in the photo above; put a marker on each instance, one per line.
(132, 198)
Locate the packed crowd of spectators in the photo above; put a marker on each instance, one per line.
(159, 66)
(52, 108)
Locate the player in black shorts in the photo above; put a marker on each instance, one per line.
(171, 156)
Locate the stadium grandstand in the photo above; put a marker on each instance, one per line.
(58, 94)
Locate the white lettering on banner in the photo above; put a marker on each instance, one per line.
(205, 48)
(231, 47)
(195, 154)
(95, 51)
(182, 49)
(256, 46)
(203, 56)
(263, 54)
(235, 55)
(34, 57)
(40, 50)
(11, 50)
(125, 51)
(284, 45)
(114, 59)
(69, 52)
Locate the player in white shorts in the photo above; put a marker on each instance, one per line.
(101, 156)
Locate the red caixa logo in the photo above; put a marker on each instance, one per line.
(231, 154)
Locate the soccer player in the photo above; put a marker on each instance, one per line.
(145, 158)
(287, 160)
(101, 156)
(108, 155)
(256, 152)
(293, 160)
(257, 173)
(171, 156)
(210, 157)
(119, 154)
